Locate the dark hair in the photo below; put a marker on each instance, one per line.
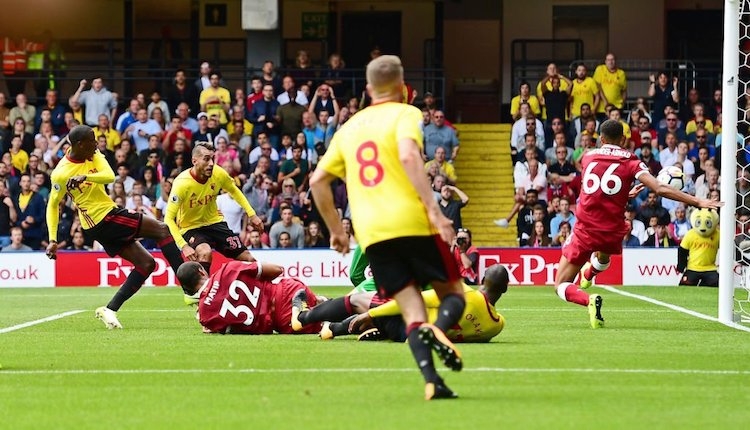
(79, 134)
(611, 131)
(123, 164)
(189, 276)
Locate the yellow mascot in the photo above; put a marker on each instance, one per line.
(697, 251)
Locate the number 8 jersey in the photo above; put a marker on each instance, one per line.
(608, 175)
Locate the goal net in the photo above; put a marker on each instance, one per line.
(734, 281)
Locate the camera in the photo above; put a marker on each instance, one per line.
(461, 241)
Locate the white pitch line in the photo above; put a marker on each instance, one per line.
(673, 307)
(716, 372)
(39, 321)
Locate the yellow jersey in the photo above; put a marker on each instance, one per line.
(515, 105)
(480, 322)
(364, 152)
(702, 257)
(19, 160)
(192, 204)
(90, 197)
(583, 92)
(215, 108)
(613, 84)
(113, 138)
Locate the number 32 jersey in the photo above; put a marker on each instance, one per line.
(608, 175)
(236, 301)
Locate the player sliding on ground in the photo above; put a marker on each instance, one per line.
(240, 298)
(608, 175)
(376, 319)
(82, 175)
(192, 214)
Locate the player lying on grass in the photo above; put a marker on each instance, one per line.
(82, 175)
(239, 298)
(480, 321)
(608, 173)
(193, 217)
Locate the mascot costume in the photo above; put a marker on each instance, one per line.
(697, 251)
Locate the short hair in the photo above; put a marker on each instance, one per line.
(123, 164)
(496, 279)
(384, 74)
(202, 144)
(189, 275)
(611, 131)
(80, 133)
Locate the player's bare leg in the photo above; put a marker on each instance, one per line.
(158, 231)
(410, 302)
(599, 262)
(570, 292)
(144, 265)
(204, 256)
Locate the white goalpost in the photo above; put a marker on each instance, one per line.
(730, 83)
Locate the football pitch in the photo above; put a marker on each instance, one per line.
(650, 367)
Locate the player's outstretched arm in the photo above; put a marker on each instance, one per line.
(104, 173)
(666, 191)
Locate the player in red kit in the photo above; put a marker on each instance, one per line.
(608, 174)
(239, 298)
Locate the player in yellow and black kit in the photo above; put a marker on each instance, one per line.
(193, 217)
(479, 323)
(82, 175)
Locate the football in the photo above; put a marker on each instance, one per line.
(672, 176)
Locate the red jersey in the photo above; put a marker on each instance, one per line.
(236, 301)
(608, 175)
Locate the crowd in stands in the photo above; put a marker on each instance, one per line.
(269, 140)
(558, 123)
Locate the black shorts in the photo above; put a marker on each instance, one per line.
(119, 228)
(701, 279)
(218, 236)
(420, 260)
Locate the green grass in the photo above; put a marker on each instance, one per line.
(546, 370)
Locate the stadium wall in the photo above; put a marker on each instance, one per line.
(526, 266)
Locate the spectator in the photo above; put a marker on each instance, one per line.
(285, 240)
(713, 112)
(558, 143)
(688, 168)
(668, 155)
(253, 239)
(679, 227)
(524, 96)
(216, 100)
(215, 130)
(25, 111)
(451, 207)
(525, 220)
(204, 78)
(314, 237)
(534, 127)
(227, 157)
(652, 208)
(551, 72)
(437, 185)
(78, 242)
(336, 76)
(269, 77)
(141, 130)
(613, 85)
(165, 188)
(31, 211)
(589, 127)
(555, 100)
(264, 149)
(438, 134)
(302, 71)
(325, 127)
(660, 237)
(562, 235)
(292, 93)
(616, 114)
(686, 110)
(466, 256)
(324, 99)
(19, 158)
(673, 127)
(580, 122)
(183, 111)
(539, 237)
(643, 129)
(98, 101)
(123, 176)
(290, 116)
(563, 215)
(5, 121)
(181, 92)
(19, 129)
(654, 167)
(16, 242)
(286, 224)
(128, 117)
(111, 135)
(295, 168)
(443, 167)
(263, 116)
(176, 130)
(8, 215)
(663, 94)
(57, 112)
(584, 95)
(349, 230)
(699, 121)
(630, 241)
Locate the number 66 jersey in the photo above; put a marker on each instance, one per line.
(236, 301)
(608, 175)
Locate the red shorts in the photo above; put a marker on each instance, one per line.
(581, 244)
(282, 313)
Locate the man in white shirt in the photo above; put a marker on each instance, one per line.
(283, 98)
(233, 213)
